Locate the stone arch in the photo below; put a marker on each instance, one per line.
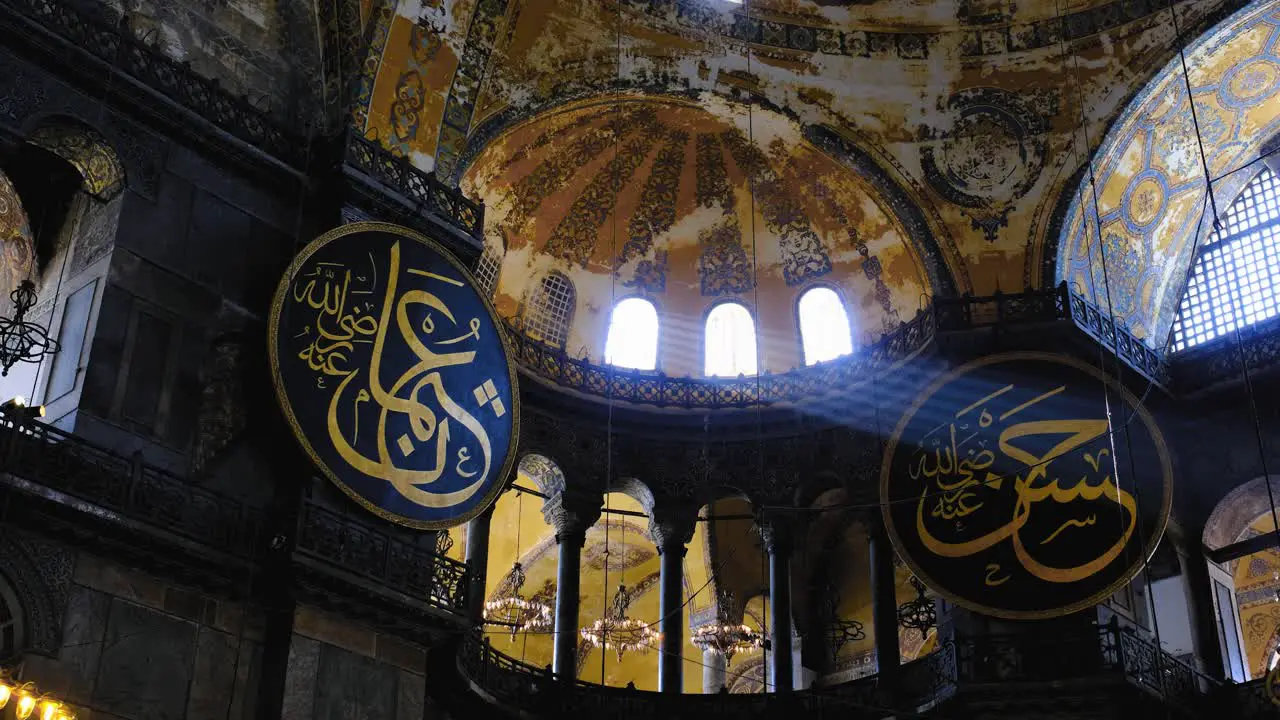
(1150, 179)
(543, 471)
(38, 575)
(86, 150)
(1237, 510)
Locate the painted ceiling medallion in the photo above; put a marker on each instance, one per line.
(991, 154)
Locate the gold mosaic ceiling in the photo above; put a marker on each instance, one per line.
(972, 108)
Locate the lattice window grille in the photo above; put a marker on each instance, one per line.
(547, 317)
(1236, 281)
(487, 270)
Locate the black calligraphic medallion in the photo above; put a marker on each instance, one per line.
(1026, 485)
(393, 371)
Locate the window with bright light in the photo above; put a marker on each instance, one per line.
(1236, 281)
(730, 342)
(824, 326)
(549, 310)
(633, 335)
(488, 267)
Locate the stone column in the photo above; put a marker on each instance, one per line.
(571, 516)
(671, 529)
(884, 601)
(478, 562)
(714, 671)
(776, 532)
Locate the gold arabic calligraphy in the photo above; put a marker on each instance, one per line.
(418, 393)
(954, 481)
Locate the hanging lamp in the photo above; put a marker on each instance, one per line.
(510, 609)
(723, 637)
(918, 614)
(22, 341)
(616, 630)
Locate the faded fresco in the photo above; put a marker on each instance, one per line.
(972, 108)
(1150, 190)
(17, 247)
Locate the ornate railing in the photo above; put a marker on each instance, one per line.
(650, 388)
(913, 687)
(416, 571)
(61, 461)
(807, 383)
(537, 691)
(116, 45)
(419, 187)
(1116, 338)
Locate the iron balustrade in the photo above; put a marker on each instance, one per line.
(422, 188)
(61, 461)
(116, 45)
(415, 571)
(913, 687)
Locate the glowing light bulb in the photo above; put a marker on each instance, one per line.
(49, 709)
(6, 692)
(26, 704)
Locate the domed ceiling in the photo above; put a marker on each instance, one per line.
(687, 203)
(973, 108)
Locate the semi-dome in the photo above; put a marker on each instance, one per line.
(688, 204)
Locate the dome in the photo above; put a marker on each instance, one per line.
(689, 204)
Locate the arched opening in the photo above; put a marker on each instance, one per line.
(1235, 280)
(550, 309)
(633, 335)
(730, 342)
(824, 326)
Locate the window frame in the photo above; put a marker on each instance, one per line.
(657, 338)
(498, 252)
(755, 327)
(842, 298)
(535, 303)
(1223, 239)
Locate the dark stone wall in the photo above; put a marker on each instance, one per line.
(134, 646)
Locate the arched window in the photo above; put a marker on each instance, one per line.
(730, 342)
(824, 326)
(488, 267)
(1236, 281)
(549, 310)
(633, 335)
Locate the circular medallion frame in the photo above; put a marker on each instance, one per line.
(929, 571)
(353, 482)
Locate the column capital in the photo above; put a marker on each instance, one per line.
(777, 530)
(571, 514)
(671, 525)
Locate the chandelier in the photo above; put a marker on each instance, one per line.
(918, 614)
(840, 632)
(22, 341)
(617, 631)
(723, 637)
(510, 609)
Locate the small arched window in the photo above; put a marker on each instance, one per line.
(633, 335)
(824, 326)
(550, 309)
(1236, 281)
(730, 342)
(488, 267)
